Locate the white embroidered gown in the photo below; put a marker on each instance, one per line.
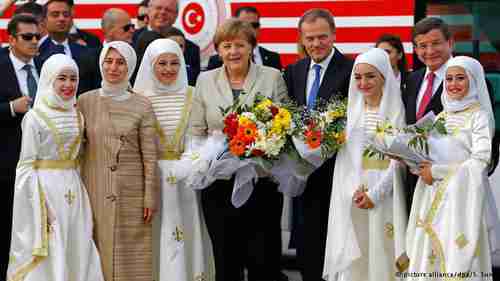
(186, 250)
(449, 221)
(374, 228)
(52, 221)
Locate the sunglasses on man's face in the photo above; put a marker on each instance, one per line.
(127, 27)
(255, 25)
(141, 17)
(29, 36)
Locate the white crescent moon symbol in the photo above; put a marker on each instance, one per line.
(189, 23)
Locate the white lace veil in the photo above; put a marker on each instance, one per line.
(147, 82)
(45, 91)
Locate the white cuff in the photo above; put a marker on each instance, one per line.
(12, 112)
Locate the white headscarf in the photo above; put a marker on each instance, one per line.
(45, 91)
(478, 91)
(128, 53)
(146, 81)
(342, 245)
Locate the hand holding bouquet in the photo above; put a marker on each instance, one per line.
(318, 134)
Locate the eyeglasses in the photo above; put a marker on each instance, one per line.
(29, 36)
(127, 27)
(141, 17)
(255, 25)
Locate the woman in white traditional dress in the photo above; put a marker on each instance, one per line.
(186, 251)
(52, 222)
(452, 221)
(367, 221)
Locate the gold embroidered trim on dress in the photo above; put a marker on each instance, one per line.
(56, 108)
(57, 137)
(461, 241)
(402, 263)
(389, 230)
(426, 224)
(178, 234)
(39, 254)
(70, 197)
(172, 148)
(375, 164)
(55, 164)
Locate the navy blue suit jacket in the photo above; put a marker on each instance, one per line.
(82, 56)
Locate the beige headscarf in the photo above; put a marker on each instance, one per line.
(128, 53)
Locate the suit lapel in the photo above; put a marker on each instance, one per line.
(411, 109)
(329, 79)
(435, 101)
(223, 87)
(302, 73)
(11, 79)
(264, 56)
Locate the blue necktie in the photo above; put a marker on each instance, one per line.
(30, 81)
(311, 102)
(59, 49)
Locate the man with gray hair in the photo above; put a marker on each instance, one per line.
(117, 26)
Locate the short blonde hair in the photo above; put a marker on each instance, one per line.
(235, 28)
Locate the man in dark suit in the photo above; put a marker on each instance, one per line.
(19, 81)
(58, 19)
(433, 46)
(322, 75)
(261, 55)
(162, 14)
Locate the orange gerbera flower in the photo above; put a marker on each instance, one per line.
(237, 146)
(247, 133)
(313, 139)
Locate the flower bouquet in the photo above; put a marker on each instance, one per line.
(318, 134)
(259, 144)
(410, 144)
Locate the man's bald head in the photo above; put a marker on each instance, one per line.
(117, 26)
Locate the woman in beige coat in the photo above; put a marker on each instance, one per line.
(119, 167)
(248, 236)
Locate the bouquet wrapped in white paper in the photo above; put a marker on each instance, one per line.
(412, 144)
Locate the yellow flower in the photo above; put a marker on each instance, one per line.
(244, 121)
(335, 114)
(264, 105)
(283, 118)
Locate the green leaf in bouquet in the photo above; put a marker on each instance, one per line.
(440, 127)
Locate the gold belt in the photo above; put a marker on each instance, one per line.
(170, 155)
(55, 164)
(375, 164)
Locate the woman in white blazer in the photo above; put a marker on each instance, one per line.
(249, 236)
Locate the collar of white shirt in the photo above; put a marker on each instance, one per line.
(65, 43)
(324, 63)
(18, 64)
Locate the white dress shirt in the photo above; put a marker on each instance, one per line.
(312, 75)
(22, 76)
(437, 81)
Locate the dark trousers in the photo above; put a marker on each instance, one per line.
(312, 232)
(7, 198)
(246, 237)
(411, 183)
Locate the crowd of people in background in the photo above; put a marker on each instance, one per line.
(93, 133)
